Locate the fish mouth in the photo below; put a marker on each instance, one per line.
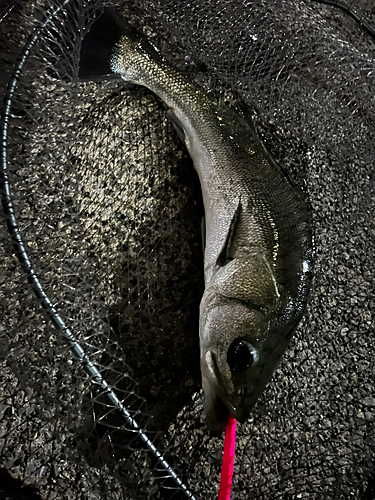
(217, 403)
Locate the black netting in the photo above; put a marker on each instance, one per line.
(109, 209)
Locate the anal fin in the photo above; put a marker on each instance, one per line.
(176, 125)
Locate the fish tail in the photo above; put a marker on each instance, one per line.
(110, 38)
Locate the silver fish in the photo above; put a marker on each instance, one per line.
(258, 242)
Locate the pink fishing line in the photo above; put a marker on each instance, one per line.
(228, 459)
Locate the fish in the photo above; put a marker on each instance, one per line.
(258, 250)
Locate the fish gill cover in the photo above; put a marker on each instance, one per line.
(109, 208)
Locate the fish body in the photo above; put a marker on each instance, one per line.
(258, 237)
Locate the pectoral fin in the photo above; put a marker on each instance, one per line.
(224, 256)
(203, 233)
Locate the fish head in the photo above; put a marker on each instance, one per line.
(240, 348)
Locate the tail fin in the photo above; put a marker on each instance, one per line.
(98, 44)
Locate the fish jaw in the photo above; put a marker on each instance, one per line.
(216, 410)
(217, 402)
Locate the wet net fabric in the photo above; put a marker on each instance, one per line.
(109, 208)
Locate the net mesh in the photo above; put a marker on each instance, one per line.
(109, 207)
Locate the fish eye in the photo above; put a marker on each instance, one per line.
(241, 355)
